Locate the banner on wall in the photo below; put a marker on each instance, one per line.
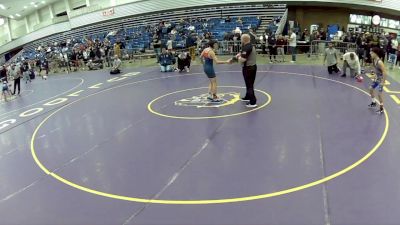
(108, 12)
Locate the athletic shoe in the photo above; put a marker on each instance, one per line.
(379, 111)
(292, 61)
(343, 75)
(251, 106)
(216, 100)
(372, 105)
(244, 100)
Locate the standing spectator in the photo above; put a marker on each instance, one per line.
(393, 52)
(264, 42)
(272, 47)
(280, 44)
(253, 36)
(157, 46)
(3, 74)
(191, 45)
(15, 72)
(305, 36)
(25, 72)
(383, 43)
(292, 45)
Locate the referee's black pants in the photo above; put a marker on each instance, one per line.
(249, 75)
(17, 82)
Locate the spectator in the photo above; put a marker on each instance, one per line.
(280, 44)
(305, 36)
(264, 42)
(157, 46)
(253, 36)
(15, 72)
(393, 52)
(116, 65)
(350, 60)
(3, 74)
(331, 58)
(272, 47)
(169, 45)
(166, 61)
(25, 71)
(184, 62)
(191, 44)
(292, 45)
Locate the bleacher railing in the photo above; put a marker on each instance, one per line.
(282, 23)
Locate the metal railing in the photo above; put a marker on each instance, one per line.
(227, 48)
(318, 47)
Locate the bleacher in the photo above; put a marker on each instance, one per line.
(125, 28)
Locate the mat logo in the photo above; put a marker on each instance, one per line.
(202, 101)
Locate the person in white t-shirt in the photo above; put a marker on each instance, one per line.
(292, 40)
(350, 60)
(169, 45)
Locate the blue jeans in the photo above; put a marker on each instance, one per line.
(167, 68)
(293, 52)
(392, 59)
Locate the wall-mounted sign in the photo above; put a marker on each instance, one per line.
(108, 12)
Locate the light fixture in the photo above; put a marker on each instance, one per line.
(32, 3)
(35, 6)
(11, 16)
(17, 15)
(2, 6)
(25, 7)
(2, 21)
(43, 2)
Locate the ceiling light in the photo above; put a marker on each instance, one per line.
(32, 3)
(2, 21)
(17, 15)
(2, 6)
(11, 16)
(43, 2)
(25, 7)
(35, 6)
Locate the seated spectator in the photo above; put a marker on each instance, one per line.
(228, 20)
(166, 60)
(95, 64)
(239, 20)
(116, 65)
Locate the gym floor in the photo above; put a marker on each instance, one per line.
(146, 148)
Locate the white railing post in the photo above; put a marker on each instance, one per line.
(282, 23)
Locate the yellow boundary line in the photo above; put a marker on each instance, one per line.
(211, 201)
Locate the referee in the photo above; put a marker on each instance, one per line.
(248, 59)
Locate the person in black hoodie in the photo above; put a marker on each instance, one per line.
(272, 47)
(184, 62)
